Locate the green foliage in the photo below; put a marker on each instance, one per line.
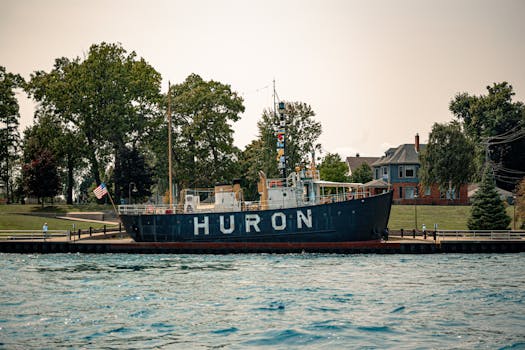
(108, 100)
(489, 115)
(50, 133)
(333, 168)
(362, 174)
(488, 211)
(448, 157)
(134, 170)
(40, 176)
(302, 132)
(520, 203)
(251, 161)
(202, 138)
(9, 135)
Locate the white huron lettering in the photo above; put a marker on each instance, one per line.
(306, 219)
(232, 225)
(282, 225)
(252, 220)
(197, 225)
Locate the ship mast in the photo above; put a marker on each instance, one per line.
(169, 146)
(281, 134)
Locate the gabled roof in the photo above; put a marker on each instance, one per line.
(404, 154)
(377, 183)
(355, 162)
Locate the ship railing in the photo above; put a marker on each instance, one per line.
(159, 209)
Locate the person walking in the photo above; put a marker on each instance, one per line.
(424, 229)
(44, 230)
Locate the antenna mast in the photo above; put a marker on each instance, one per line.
(169, 146)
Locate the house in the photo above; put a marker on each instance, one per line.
(355, 162)
(399, 169)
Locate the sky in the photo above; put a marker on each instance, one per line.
(375, 72)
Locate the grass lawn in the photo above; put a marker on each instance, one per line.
(12, 217)
(447, 217)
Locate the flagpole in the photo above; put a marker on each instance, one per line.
(113, 204)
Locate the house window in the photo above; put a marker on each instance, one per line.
(427, 191)
(449, 194)
(400, 192)
(384, 170)
(400, 171)
(376, 172)
(410, 171)
(410, 192)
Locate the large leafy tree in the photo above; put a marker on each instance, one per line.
(9, 119)
(497, 125)
(488, 211)
(40, 176)
(203, 114)
(49, 133)
(448, 157)
(333, 168)
(110, 97)
(302, 132)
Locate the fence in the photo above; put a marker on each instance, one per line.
(32, 234)
(482, 234)
(39, 234)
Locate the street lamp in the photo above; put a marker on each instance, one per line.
(129, 191)
(415, 209)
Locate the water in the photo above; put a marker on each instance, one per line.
(262, 301)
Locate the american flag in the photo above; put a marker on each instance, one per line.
(100, 191)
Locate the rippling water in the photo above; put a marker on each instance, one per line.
(262, 301)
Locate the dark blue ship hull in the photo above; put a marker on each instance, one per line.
(347, 221)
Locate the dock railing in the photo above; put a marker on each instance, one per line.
(481, 234)
(32, 234)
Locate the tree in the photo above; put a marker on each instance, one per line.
(40, 176)
(203, 151)
(488, 211)
(111, 98)
(362, 174)
(448, 157)
(134, 170)
(9, 136)
(302, 132)
(251, 161)
(519, 202)
(497, 126)
(67, 148)
(333, 168)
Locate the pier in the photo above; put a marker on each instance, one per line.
(395, 245)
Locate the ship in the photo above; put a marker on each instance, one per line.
(299, 211)
(295, 212)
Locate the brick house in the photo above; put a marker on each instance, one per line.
(399, 168)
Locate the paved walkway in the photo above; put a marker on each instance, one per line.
(88, 220)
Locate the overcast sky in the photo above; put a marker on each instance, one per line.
(375, 72)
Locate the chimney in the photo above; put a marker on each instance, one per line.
(417, 143)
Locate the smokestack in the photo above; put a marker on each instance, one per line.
(417, 143)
